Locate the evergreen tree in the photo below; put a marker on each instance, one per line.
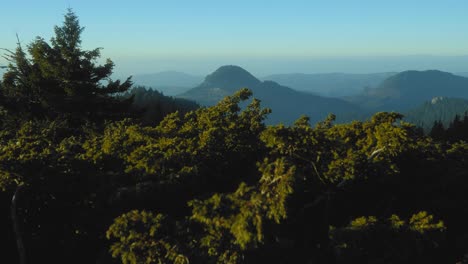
(62, 78)
(51, 88)
(437, 131)
(213, 185)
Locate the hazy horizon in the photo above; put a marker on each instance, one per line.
(261, 67)
(264, 37)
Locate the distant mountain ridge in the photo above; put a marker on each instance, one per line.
(408, 89)
(330, 84)
(404, 92)
(287, 104)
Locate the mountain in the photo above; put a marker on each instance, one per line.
(438, 109)
(287, 104)
(464, 74)
(408, 89)
(168, 82)
(330, 84)
(223, 82)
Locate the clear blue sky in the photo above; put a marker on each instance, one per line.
(148, 36)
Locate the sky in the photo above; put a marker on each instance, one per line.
(265, 37)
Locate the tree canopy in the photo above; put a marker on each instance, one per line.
(211, 184)
(61, 78)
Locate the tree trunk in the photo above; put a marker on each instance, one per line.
(16, 225)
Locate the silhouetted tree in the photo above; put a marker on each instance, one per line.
(438, 131)
(63, 79)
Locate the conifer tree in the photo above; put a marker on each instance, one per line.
(45, 82)
(438, 130)
(62, 78)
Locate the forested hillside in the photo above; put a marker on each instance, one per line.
(87, 178)
(151, 106)
(439, 109)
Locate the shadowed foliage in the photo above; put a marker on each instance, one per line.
(93, 173)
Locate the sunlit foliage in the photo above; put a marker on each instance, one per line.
(92, 184)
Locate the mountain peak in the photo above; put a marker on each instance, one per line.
(422, 80)
(230, 77)
(416, 74)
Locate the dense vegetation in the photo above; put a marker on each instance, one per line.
(86, 180)
(456, 130)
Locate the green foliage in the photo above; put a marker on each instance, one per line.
(184, 150)
(333, 153)
(62, 78)
(155, 245)
(422, 222)
(235, 222)
(228, 189)
(363, 222)
(204, 148)
(390, 240)
(232, 223)
(23, 155)
(214, 184)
